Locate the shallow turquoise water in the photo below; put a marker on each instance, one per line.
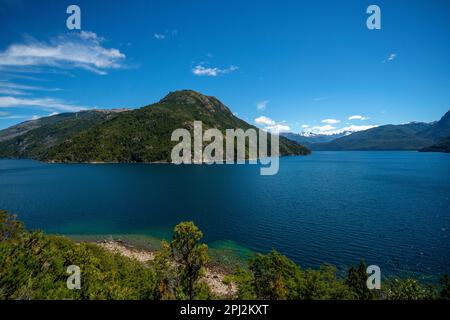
(390, 208)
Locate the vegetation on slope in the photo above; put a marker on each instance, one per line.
(141, 135)
(32, 139)
(411, 136)
(33, 266)
(388, 137)
(441, 146)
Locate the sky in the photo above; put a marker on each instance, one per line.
(286, 65)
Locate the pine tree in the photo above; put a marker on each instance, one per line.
(357, 282)
(190, 256)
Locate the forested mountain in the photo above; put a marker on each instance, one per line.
(32, 139)
(139, 135)
(411, 136)
(441, 146)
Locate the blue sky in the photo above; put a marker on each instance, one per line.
(287, 64)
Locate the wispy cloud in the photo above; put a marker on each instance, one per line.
(262, 105)
(320, 99)
(49, 104)
(9, 116)
(13, 92)
(11, 88)
(165, 35)
(271, 125)
(159, 36)
(331, 121)
(73, 50)
(14, 117)
(391, 58)
(357, 117)
(200, 70)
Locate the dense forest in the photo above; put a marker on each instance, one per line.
(125, 136)
(34, 266)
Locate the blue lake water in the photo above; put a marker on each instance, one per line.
(390, 208)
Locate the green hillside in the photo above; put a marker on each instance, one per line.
(32, 139)
(140, 135)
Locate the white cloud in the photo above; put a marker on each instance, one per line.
(165, 35)
(49, 104)
(13, 117)
(265, 121)
(304, 126)
(159, 36)
(391, 57)
(324, 128)
(278, 128)
(73, 50)
(8, 116)
(11, 88)
(272, 125)
(262, 105)
(355, 128)
(331, 121)
(212, 72)
(13, 92)
(357, 117)
(330, 130)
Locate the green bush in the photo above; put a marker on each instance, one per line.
(34, 266)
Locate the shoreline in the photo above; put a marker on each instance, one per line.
(214, 277)
(146, 162)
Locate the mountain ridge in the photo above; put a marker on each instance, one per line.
(441, 146)
(137, 135)
(410, 136)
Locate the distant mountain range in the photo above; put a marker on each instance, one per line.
(412, 136)
(139, 135)
(309, 139)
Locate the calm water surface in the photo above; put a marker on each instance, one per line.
(390, 208)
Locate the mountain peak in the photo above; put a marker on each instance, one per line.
(194, 98)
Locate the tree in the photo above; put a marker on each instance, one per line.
(322, 284)
(190, 256)
(408, 289)
(10, 228)
(357, 282)
(445, 291)
(165, 272)
(274, 276)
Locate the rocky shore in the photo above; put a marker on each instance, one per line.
(215, 274)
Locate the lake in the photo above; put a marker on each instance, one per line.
(390, 208)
